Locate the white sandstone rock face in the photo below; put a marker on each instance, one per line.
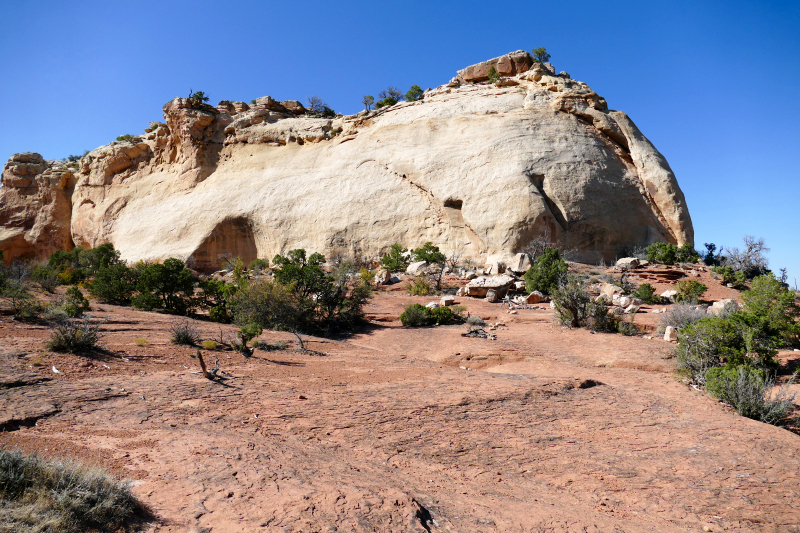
(471, 167)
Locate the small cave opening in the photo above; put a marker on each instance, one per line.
(230, 238)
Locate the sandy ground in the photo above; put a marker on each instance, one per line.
(396, 429)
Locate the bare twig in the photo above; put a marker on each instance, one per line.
(209, 374)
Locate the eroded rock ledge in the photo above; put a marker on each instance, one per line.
(474, 166)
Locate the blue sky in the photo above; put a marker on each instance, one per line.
(711, 83)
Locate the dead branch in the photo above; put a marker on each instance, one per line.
(209, 374)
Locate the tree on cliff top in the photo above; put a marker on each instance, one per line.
(198, 96)
(540, 55)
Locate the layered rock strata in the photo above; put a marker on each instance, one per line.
(472, 166)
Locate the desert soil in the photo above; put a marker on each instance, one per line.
(543, 430)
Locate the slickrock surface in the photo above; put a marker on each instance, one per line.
(404, 430)
(474, 166)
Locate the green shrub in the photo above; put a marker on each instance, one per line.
(689, 291)
(544, 274)
(540, 55)
(258, 265)
(74, 336)
(599, 319)
(219, 313)
(747, 390)
(646, 293)
(415, 315)
(741, 338)
(185, 334)
(76, 303)
(458, 312)
(388, 97)
(441, 315)
(114, 283)
(414, 93)
(420, 286)
(304, 298)
(395, 260)
(28, 310)
(37, 495)
(305, 274)
(687, 254)
(171, 283)
(493, 75)
(572, 302)
(94, 259)
(663, 253)
(627, 328)
(199, 97)
(731, 276)
(249, 332)
(146, 301)
(706, 344)
(669, 254)
(71, 276)
(429, 253)
(368, 101)
(46, 277)
(128, 138)
(772, 301)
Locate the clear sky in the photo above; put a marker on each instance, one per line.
(713, 84)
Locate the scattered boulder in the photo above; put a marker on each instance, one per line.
(496, 268)
(519, 285)
(520, 264)
(447, 300)
(491, 296)
(624, 301)
(628, 263)
(608, 290)
(632, 309)
(479, 286)
(432, 305)
(535, 297)
(669, 295)
(382, 277)
(671, 334)
(416, 268)
(717, 307)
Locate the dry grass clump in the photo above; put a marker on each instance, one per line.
(681, 315)
(141, 341)
(185, 334)
(38, 496)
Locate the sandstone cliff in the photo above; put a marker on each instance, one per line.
(474, 166)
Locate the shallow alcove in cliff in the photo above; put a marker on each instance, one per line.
(229, 239)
